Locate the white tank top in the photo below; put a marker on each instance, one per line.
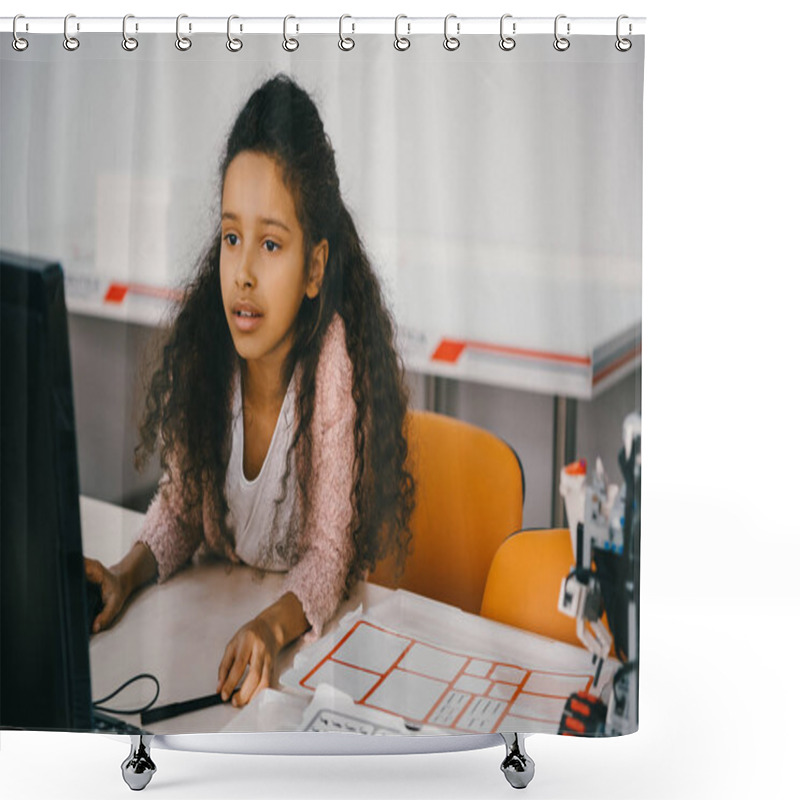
(252, 503)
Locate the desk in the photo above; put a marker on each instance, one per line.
(178, 631)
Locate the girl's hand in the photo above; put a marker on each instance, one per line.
(112, 590)
(256, 645)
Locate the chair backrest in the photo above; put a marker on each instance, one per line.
(524, 582)
(469, 496)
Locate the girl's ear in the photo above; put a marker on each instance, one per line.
(319, 259)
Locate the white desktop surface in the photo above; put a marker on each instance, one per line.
(178, 632)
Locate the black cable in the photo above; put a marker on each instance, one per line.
(627, 667)
(96, 703)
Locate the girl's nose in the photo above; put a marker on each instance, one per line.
(243, 279)
(244, 274)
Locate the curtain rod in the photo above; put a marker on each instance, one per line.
(460, 26)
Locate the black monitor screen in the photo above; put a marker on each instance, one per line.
(44, 653)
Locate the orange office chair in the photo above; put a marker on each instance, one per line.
(469, 495)
(524, 582)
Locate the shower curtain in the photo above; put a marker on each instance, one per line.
(458, 549)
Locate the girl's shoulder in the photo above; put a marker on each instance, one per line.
(334, 379)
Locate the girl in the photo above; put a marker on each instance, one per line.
(277, 369)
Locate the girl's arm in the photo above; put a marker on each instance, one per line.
(318, 579)
(160, 549)
(136, 569)
(119, 582)
(286, 619)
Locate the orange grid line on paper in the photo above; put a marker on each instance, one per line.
(450, 686)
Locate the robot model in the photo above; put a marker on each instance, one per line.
(604, 521)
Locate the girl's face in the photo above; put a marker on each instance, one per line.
(262, 272)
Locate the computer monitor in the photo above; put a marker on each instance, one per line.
(44, 646)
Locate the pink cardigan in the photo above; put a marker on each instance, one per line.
(318, 578)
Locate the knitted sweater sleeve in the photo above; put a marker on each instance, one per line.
(318, 579)
(172, 544)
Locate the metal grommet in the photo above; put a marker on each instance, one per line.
(70, 42)
(129, 43)
(623, 45)
(401, 42)
(289, 44)
(345, 42)
(451, 42)
(183, 43)
(233, 44)
(507, 42)
(18, 43)
(561, 43)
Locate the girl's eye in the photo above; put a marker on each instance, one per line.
(232, 239)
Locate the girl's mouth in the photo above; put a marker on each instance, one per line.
(246, 320)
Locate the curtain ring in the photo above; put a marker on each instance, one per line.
(183, 43)
(289, 44)
(451, 42)
(345, 42)
(233, 44)
(129, 43)
(623, 45)
(561, 43)
(401, 42)
(18, 43)
(507, 42)
(70, 42)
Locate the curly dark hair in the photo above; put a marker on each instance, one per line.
(189, 401)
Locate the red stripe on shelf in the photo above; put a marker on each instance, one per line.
(450, 350)
(117, 292)
(155, 291)
(617, 363)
